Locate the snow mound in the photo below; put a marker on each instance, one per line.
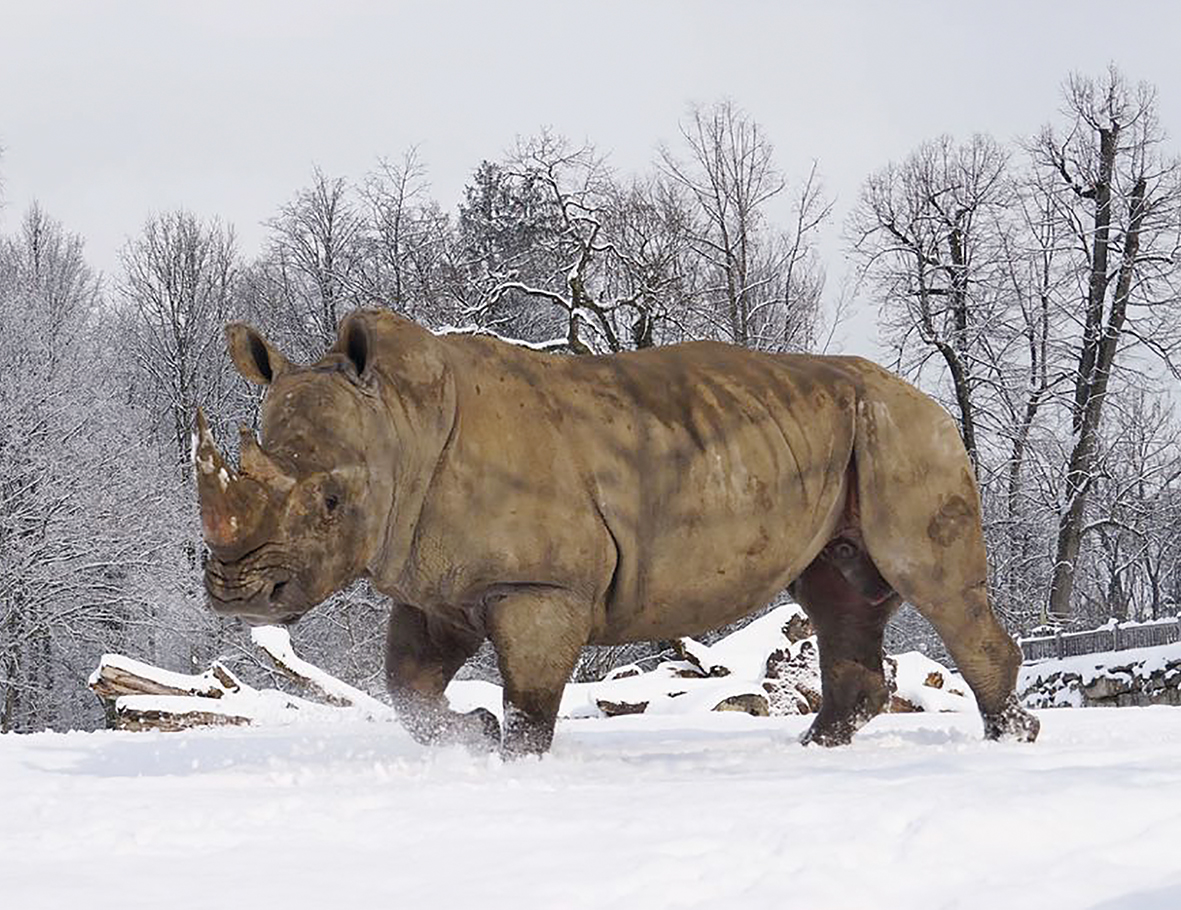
(930, 686)
(768, 667)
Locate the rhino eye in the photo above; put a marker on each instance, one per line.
(331, 501)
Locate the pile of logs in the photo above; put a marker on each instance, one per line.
(139, 696)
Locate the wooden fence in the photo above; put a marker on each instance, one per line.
(1111, 637)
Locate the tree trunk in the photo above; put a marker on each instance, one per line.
(1083, 457)
(963, 397)
(1097, 287)
(9, 713)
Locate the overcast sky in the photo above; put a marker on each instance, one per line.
(110, 111)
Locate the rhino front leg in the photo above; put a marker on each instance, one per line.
(422, 656)
(538, 633)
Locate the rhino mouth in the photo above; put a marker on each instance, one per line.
(268, 601)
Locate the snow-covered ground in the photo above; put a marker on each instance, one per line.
(717, 810)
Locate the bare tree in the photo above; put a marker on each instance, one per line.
(927, 235)
(407, 242)
(1020, 371)
(763, 286)
(177, 285)
(650, 262)
(1135, 490)
(312, 271)
(1120, 197)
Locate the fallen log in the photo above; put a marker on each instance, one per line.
(117, 676)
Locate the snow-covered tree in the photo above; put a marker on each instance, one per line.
(82, 510)
(177, 293)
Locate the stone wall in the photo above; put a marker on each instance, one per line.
(1148, 676)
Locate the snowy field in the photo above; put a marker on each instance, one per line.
(714, 810)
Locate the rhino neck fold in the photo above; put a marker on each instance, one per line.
(424, 419)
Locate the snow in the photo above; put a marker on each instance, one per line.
(744, 652)
(671, 688)
(913, 670)
(518, 342)
(664, 692)
(259, 706)
(738, 663)
(714, 810)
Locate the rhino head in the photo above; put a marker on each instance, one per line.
(303, 514)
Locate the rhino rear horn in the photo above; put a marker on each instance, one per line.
(258, 464)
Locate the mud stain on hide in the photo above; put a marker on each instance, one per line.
(945, 527)
(760, 544)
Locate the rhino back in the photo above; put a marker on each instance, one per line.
(676, 488)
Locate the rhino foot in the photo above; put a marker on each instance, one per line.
(478, 730)
(837, 728)
(482, 730)
(1012, 723)
(830, 731)
(828, 735)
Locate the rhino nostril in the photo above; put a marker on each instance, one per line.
(277, 590)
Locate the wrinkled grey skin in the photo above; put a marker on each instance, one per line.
(548, 502)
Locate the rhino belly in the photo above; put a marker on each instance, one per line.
(709, 554)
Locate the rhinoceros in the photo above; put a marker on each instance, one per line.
(547, 502)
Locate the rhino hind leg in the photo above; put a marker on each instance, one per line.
(983, 651)
(422, 656)
(538, 633)
(919, 515)
(849, 605)
(988, 659)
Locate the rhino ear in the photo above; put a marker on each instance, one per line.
(356, 344)
(253, 355)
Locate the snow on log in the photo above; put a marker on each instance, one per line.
(118, 675)
(698, 654)
(771, 666)
(275, 641)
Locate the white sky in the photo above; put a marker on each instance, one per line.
(112, 110)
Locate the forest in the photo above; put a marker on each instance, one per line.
(1033, 286)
